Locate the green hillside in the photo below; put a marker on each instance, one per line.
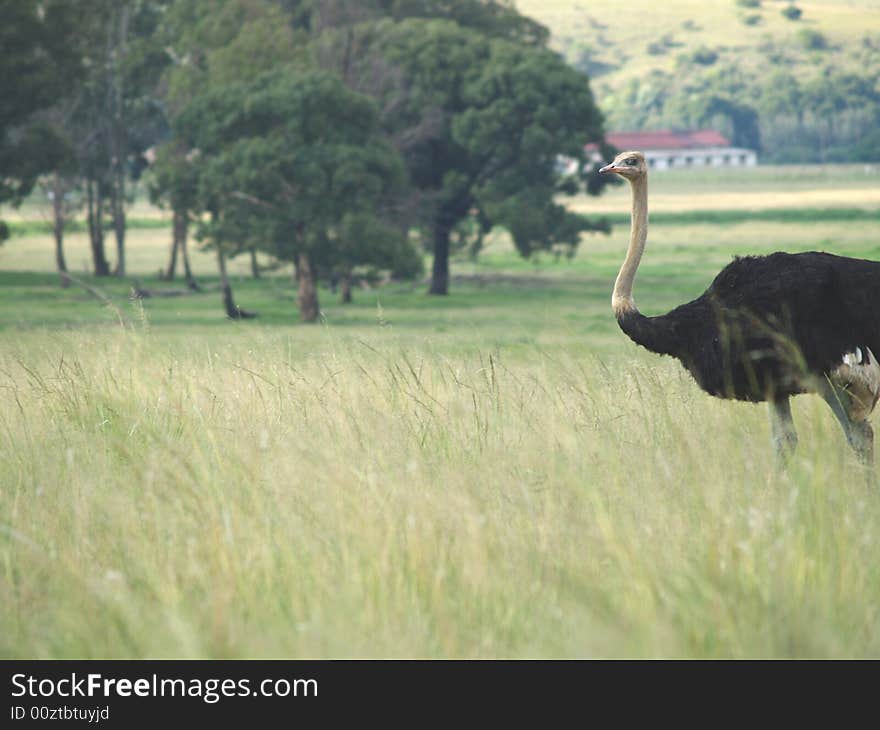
(805, 89)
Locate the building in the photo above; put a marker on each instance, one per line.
(698, 148)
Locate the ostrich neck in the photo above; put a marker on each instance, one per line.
(622, 299)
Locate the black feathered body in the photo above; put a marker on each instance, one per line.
(767, 325)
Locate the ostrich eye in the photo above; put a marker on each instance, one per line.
(631, 161)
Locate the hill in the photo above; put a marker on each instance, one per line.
(805, 90)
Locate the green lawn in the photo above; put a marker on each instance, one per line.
(498, 473)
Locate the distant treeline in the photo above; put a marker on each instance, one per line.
(807, 103)
(832, 116)
(338, 137)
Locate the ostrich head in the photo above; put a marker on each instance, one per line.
(630, 165)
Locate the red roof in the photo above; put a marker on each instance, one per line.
(667, 140)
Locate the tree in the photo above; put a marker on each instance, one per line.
(743, 119)
(294, 163)
(210, 46)
(41, 61)
(482, 123)
(127, 73)
(61, 185)
(363, 239)
(113, 115)
(174, 184)
(491, 18)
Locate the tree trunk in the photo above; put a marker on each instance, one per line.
(182, 220)
(58, 228)
(345, 285)
(96, 227)
(168, 274)
(440, 271)
(119, 224)
(229, 306)
(255, 267)
(307, 293)
(118, 140)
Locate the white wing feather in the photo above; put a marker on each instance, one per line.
(860, 377)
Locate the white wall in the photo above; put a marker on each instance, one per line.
(707, 157)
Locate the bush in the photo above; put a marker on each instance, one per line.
(749, 3)
(751, 19)
(867, 149)
(812, 40)
(792, 12)
(704, 56)
(658, 48)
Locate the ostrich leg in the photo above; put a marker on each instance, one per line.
(784, 434)
(859, 434)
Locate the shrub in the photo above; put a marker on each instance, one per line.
(792, 12)
(704, 56)
(749, 3)
(751, 19)
(812, 40)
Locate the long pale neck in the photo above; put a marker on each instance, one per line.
(622, 299)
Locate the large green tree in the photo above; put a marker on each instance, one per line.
(295, 163)
(482, 123)
(210, 46)
(42, 59)
(491, 18)
(125, 74)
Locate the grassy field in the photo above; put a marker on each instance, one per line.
(499, 473)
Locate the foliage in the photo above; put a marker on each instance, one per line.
(488, 120)
(212, 44)
(704, 56)
(490, 18)
(792, 12)
(811, 39)
(466, 92)
(174, 177)
(40, 63)
(819, 114)
(643, 85)
(293, 162)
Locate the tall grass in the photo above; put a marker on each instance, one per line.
(261, 494)
(497, 473)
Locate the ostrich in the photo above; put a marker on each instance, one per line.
(767, 328)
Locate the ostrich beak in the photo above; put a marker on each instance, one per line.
(608, 168)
